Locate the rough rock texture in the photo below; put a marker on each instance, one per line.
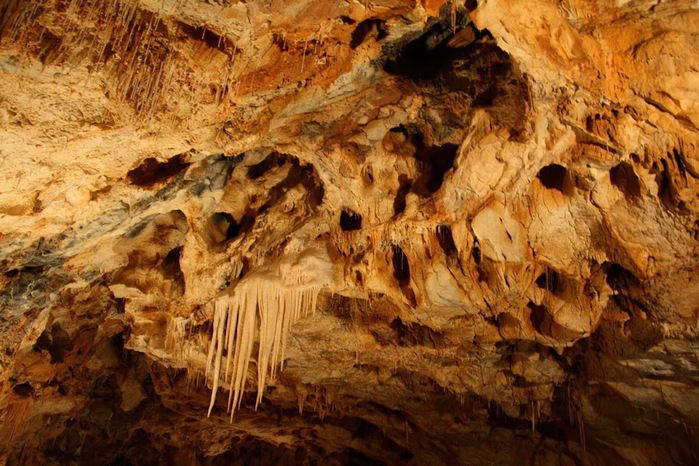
(496, 202)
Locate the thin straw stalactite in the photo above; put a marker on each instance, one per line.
(115, 35)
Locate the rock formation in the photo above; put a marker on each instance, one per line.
(349, 232)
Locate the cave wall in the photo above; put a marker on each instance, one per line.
(494, 205)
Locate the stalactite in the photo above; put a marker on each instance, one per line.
(16, 17)
(303, 54)
(141, 62)
(301, 401)
(235, 318)
(101, 11)
(581, 429)
(71, 7)
(153, 101)
(272, 299)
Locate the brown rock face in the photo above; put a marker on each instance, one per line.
(349, 232)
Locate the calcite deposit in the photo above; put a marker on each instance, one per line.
(391, 232)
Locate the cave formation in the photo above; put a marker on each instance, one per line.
(349, 232)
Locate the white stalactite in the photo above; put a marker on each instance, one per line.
(279, 296)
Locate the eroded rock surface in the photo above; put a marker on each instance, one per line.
(492, 207)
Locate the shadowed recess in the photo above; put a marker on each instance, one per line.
(540, 318)
(275, 159)
(350, 221)
(624, 177)
(556, 177)
(152, 171)
(446, 240)
(548, 280)
(368, 28)
(415, 334)
(434, 161)
(401, 272)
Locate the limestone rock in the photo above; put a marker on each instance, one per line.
(349, 232)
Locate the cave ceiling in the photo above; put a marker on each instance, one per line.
(349, 232)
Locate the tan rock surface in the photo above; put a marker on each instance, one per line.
(468, 231)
